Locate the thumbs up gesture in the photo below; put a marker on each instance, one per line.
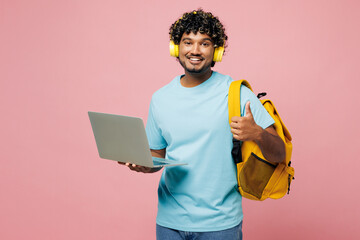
(245, 128)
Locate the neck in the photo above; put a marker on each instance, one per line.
(195, 79)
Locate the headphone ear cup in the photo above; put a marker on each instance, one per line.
(218, 53)
(174, 49)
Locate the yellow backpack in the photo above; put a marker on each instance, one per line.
(259, 179)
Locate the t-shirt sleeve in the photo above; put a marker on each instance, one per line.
(261, 116)
(153, 131)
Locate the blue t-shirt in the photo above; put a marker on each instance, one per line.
(192, 124)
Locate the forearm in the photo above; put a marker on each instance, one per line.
(160, 154)
(271, 145)
(246, 129)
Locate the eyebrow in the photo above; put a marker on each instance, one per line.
(204, 39)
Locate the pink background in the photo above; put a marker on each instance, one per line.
(60, 59)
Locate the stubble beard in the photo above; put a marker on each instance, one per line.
(193, 70)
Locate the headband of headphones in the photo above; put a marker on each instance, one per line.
(174, 48)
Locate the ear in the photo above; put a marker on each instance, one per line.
(218, 53)
(174, 49)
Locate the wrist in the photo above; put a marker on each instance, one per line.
(260, 134)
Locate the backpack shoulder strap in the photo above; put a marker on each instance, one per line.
(234, 98)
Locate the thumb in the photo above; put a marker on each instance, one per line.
(248, 110)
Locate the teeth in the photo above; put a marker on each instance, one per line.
(194, 59)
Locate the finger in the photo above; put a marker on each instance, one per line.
(234, 131)
(248, 109)
(133, 168)
(238, 124)
(235, 119)
(236, 136)
(144, 169)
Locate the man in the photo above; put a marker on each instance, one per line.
(188, 122)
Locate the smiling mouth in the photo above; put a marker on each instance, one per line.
(195, 60)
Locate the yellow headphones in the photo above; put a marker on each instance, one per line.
(218, 53)
(174, 48)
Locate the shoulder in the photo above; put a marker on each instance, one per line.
(246, 92)
(166, 90)
(222, 78)
(221, 81)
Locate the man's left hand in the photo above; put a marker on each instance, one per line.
(245, 128)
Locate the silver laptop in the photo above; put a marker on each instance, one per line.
(123, 139)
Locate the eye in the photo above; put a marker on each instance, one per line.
(205, 44)
(187, 43)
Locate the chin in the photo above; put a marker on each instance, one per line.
(194, 70)
(199, 70)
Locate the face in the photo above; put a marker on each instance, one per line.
(196, 52)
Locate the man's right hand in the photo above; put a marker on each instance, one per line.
(155, 153)
(138, 168)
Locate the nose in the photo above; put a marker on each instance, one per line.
(195, 50)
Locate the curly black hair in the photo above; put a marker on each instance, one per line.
(199, 21)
